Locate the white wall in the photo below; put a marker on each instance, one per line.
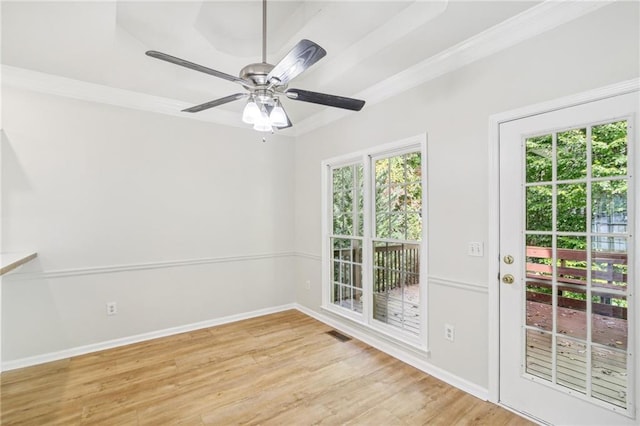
(119, 203)
(454, 110)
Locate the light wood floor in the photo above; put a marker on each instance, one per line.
(280, 369)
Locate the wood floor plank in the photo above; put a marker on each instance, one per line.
(278, 369)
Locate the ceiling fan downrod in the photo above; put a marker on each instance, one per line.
(264, 31)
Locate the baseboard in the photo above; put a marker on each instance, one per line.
(110, 344)
(413, 359)
(419, 362)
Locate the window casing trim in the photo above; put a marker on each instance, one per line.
(367, 157)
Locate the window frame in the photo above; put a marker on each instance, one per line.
(367, 158)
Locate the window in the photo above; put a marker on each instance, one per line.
(346, 241)
(374, 266)
(396, 243)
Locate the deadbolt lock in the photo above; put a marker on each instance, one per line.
(508, 279)
(508, 259)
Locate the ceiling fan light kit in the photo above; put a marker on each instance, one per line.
(265, 113)
(278, 117)
(265, 83)
(251, 112)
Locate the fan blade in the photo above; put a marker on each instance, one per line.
(324, 99)
(196, 67)
(216, 102)
(302, 56)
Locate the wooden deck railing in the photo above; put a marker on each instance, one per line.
(572, 272)
(398, 264)
(394, 265)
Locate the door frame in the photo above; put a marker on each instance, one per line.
(493, 243)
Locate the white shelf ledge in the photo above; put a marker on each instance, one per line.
(10, 261)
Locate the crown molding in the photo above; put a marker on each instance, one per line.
(530, 23)
(393, 30)
(51, 84)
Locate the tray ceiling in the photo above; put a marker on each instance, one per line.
(366, 41)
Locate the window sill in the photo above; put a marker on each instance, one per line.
(396, 337)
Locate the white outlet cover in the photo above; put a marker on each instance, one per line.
(449, 332)
(112, 308)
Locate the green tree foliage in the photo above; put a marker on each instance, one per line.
(398, 198)
(574, 166)
(608, 159)
(347, 188)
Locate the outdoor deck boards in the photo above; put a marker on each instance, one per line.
(609, 366)
(390, 308)
(609, 363)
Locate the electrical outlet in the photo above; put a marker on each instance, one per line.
(112, 308)
(307, 285)
(449, 332)
(475, 248)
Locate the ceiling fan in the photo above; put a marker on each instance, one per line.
(266, 83)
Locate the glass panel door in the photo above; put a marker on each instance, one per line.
(568, 351)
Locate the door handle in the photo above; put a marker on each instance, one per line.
(508, 279)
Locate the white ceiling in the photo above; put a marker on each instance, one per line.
(366, 41)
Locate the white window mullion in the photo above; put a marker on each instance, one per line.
(327, 224)
(367, 249)
(589, 266)
(424, 245)
(633, 208)
(412, 331)
(554, 257)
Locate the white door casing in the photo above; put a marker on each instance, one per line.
(552, 400)
(493, 242)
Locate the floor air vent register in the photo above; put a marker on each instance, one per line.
(338, 335)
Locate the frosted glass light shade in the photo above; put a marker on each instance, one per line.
(262, 123)
(251, 113)
(262, 127)
(278, 117)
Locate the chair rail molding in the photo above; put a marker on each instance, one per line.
(64, 273)
(443, 282)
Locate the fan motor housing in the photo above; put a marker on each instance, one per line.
(256, 73)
